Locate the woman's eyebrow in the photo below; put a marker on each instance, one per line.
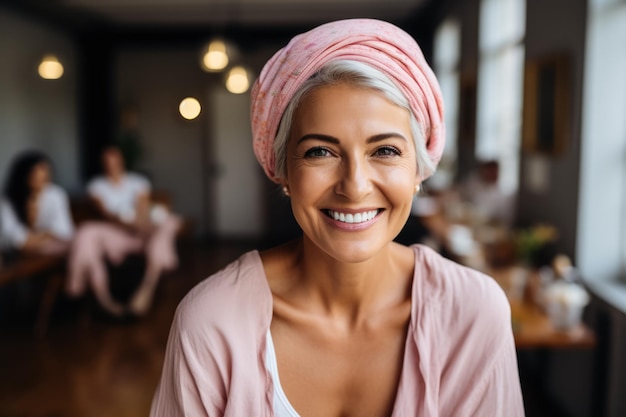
(331, 139)
(383, 136)
(319, 136)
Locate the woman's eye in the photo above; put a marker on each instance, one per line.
(387, 151)
(317, 153)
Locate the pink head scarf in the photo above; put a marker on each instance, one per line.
(379, 44)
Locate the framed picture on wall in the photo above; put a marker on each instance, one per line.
(547, 110)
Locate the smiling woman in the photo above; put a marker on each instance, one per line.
(347, 118)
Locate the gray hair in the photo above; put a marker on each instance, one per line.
(356, 74)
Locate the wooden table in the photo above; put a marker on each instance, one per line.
(532, 327)
(33, 266)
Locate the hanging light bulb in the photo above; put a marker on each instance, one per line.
(50, 68)
(189, 108)
(238, 81)
(215, 58)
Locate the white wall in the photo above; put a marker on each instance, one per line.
(37, 113)
(238, 201)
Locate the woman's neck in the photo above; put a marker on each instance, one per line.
(352, 292)
(115, 177)
(35, 193)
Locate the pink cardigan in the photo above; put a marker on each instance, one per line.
(459, 359)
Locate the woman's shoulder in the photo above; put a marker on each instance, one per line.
(96, 182)
(7, 214)
(463, 332)
(230, 298)
(54, 193)
(446, 277)
(136, 179)
(55, 190)
(460, 295)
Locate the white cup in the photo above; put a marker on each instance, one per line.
(565, 303)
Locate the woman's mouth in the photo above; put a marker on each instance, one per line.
(352, 218)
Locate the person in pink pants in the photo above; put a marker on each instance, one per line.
(132, 225)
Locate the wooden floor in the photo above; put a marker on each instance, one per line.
(89, 365)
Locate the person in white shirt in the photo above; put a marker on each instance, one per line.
(34, 213)
(132, 225)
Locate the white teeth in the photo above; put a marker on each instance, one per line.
(353, 218)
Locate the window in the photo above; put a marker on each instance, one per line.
(500, 86)
(601, 240)
(447, 56)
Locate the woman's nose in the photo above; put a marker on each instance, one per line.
(355, 179)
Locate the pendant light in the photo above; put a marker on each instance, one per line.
(238, 80)
(50, 68)
(215, 57)
(189, 108)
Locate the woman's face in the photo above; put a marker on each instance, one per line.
(113, 162)
(39, 176)
(351, 170)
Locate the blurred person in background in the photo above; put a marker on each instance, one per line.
(488, 201)
(132, 224)
(34, 213)
(348, 120)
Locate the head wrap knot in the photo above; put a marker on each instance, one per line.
(379, 44)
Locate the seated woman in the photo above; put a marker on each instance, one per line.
(131, 225)
(348, 119)
(34, 213)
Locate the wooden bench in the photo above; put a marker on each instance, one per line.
(18, 267)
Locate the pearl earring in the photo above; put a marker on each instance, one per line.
(417, 188)
(285, 190)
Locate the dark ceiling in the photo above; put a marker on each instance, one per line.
(158, 21)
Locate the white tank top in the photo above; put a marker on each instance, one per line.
(282, 407)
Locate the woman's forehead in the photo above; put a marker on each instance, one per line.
(42, 165)
(331, 91)
(343, 103)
